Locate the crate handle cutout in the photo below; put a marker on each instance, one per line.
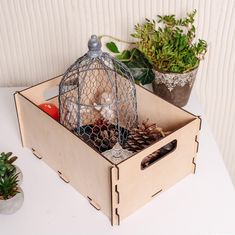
(51, 93)
(159, 154)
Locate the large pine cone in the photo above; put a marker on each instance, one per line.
(100, 135)
(144, 135)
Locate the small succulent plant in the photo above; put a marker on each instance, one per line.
(8, 185)
(8, 176)
(6, 160)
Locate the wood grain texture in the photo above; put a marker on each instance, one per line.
(39, 39)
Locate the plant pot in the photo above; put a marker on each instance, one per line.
(20, 175)
(174, 87)
(13, 204)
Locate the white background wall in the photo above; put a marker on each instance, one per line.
(39, 39)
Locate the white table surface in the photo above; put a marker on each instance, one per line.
(201, 204)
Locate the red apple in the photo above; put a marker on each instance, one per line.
(51, 109)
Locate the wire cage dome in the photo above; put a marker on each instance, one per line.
(97, 98)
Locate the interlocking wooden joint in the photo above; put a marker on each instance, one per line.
(94, 204)
(36, 154)
(63, 177)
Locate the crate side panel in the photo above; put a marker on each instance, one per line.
(86, 170)
(19, 118)
(136, 186)
(160, 111)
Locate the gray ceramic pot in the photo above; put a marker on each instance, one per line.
(174, 87)
(13, 204)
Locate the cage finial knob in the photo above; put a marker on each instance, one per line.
(94, 46)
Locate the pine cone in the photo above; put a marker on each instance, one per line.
(104, 135)
(144, 135)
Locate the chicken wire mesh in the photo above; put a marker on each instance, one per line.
(97, 99)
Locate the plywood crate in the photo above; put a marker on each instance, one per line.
(115, 189)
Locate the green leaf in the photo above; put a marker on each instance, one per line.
(125, 55)
(8, 154)
(12, 159)
(8, 185)
(112, 47)
(139, 66)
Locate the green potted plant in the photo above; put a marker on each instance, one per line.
(170, 46)
(165, 54)
(7, 160)
(134, 59)
(11, 195)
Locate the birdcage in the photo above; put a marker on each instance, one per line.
(97, 98)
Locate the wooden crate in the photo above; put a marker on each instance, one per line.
(115, 189)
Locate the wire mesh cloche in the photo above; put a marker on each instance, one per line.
(97, 99)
